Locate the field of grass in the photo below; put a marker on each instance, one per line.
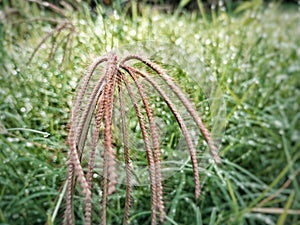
(249, 58)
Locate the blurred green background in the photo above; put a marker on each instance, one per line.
(252, 48)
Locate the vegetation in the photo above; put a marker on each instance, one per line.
(247, 60)
(101, 104)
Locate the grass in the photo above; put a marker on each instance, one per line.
(119, 74)
(248, 60)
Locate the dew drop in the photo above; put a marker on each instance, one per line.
(178, 41)
(251, 142)
(278, 123)
(281, 132)
(15, 216)
(208, 41)
(29, 144)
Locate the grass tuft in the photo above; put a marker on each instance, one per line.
(246, 60)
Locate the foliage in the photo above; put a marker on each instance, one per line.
(254, 56)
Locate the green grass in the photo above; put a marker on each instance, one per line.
(254, 56)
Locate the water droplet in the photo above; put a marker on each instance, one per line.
(132, 33)
(54, 159)
(281, 132)
(29, 144)
(178, 41)
(278, 123)
(10, 139)
(15, 216)
(208, 41)
(173, 211)
(251, 142)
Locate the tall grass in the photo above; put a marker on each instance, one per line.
(252, 58)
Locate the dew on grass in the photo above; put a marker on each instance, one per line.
(295, 135)
(54, 159)
(82, 22)
(9, 99)
(29, 144)
(211, 161)
(251, 142)
(132, 33)
(11, 139)
(245, 156)
(116, 15)
(208, 42)
(235, 115)
(278, 123)
(15, 216)
(99, 30)
(45, 80)
(58, 58)
(14, 72)
(178, 41)
(42, 113)
(108, 48)
(197, 36)
(73, 82)
(223, 9)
